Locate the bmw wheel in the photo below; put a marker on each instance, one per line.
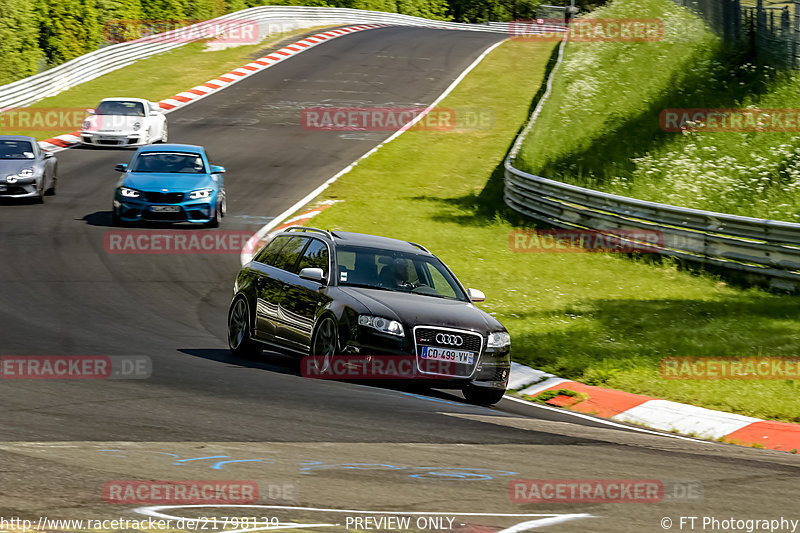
(239, 340)
(215, 220)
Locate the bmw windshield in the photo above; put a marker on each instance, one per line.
(169, 162)
(376, 268)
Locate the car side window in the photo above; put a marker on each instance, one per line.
(290, 253)
(268, 252)
(315, 256)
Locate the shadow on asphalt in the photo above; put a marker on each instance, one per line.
(280, 363)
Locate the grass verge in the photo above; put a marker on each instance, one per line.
(154, 78)
(597, 318)
(602, 130)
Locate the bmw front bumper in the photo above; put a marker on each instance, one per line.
(194, 211)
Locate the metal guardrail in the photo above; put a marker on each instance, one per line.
(94, 64)
(760, 249)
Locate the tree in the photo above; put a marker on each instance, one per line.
(67, 29)
(120, 19)
(19, 40)
(161, 10)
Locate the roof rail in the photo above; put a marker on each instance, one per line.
(305, 229)
(420, 247)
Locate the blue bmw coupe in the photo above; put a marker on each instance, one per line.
(170, 183)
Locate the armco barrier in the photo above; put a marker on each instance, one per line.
(94, 64)
(761, 249)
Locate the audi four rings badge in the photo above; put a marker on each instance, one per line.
(453, 340)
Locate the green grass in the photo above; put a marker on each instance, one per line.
(154, 78)
(597, 318)
(601, 127)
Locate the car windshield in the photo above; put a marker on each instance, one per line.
(114, 107)
(169, 162)
(376, 268)
(16, 150)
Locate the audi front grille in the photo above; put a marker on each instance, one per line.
(448, 339)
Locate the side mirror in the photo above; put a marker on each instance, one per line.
(90, 111)
(121, 167)
(47, 155)
(216, 169)
(475, 295)
(313, 274)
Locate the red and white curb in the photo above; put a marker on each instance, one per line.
(185, 98)
(657, 414)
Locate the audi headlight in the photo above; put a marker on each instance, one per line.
(500, 339)
(384, 325)
(129, 193)
(200, 194)
(136, 126)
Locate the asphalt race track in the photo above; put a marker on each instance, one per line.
(203, 415)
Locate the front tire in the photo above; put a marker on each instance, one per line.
(39, 198)
(482, 396)
(214, 222)
(239, 341)
(324, 343)
(52, 190)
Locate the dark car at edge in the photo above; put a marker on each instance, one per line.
(334, 294)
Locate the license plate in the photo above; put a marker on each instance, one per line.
(165, 208)
(445, 354)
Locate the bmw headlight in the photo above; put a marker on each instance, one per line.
(384, 325)
(136, 126)
(500, 339)
(200, 194)
(129, 193)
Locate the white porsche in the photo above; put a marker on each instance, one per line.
(124, 122)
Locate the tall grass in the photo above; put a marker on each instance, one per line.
(601, 127)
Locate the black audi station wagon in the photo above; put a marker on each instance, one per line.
(337, 294)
